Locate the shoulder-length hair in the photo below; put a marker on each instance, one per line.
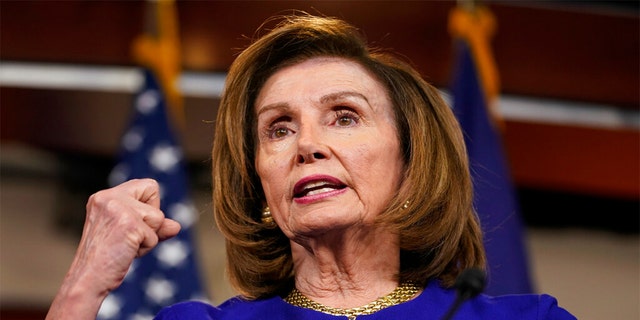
(432, 211)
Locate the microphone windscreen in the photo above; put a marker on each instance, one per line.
(470, 282)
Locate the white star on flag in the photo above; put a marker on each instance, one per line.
(147, 101)
(133, 139)
(159, 290)
(165, 157)
(110, 307)
(119, 174)
(172, 253)
(184, 213)
(141, 316)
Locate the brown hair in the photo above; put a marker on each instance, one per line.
(439, 231)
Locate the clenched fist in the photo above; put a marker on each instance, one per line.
(122, 223)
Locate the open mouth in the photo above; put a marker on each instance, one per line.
(315, 187)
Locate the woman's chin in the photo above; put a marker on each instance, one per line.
(326, 226)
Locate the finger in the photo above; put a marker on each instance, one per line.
(150, 192)
(152, 217)
(149, 241)
(168, 229)
(143, 190)
(147, 194)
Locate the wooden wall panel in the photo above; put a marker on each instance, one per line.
(97, 32)
(581, 159)
(576, 54)
(569, 54)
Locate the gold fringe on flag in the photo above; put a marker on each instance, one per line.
(476, 26)
(158, 49)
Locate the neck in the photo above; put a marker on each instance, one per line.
(347, 269)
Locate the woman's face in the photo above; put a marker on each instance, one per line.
(328, 152)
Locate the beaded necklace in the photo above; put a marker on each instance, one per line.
(402, 293)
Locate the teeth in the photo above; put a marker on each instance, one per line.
(314, 185)
(318, 191)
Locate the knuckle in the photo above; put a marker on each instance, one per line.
(98, 199)
(111, 206)
(148, 182)
(105, 204)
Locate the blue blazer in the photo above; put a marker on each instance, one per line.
(431, 304)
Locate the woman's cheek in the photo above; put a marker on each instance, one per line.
(274, 178)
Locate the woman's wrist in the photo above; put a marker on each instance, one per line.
(80, 297)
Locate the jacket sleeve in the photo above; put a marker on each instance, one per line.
(548, 309)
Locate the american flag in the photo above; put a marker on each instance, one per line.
(169, 273)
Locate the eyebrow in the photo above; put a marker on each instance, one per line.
(273, 106)
(324, 99)
(342, 94)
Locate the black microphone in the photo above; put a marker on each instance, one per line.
(468, 285)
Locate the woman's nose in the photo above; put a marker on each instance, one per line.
(308, 158)
(311, 146)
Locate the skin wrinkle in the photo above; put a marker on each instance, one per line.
(343, 278)
(429, 137)
(342, 257)
(332, 153)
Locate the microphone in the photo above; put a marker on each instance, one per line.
(468, 285)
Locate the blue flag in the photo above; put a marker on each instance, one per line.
(169, 273)
(494, 195)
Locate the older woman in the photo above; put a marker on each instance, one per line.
(340, 183)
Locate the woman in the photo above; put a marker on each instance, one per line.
(340, 183)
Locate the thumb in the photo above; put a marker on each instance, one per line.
(168, 229)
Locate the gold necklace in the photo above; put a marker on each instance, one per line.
(402, 293)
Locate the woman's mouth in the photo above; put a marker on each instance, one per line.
(314, 187)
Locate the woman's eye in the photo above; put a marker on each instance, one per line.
(346, 118)
(279, 132)
(277, 128)
(344, 121)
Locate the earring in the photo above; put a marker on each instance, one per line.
(266, 218)
(406, 204)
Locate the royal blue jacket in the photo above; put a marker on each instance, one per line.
(431, 304)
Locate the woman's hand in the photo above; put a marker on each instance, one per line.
(122, 223)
